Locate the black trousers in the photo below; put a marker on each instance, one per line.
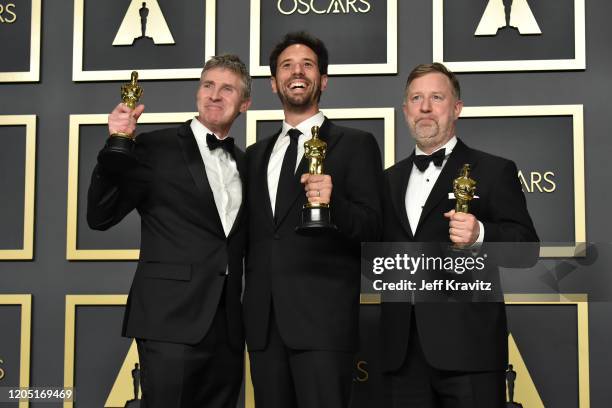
(419, 385)
(289, 378)
(204, 375)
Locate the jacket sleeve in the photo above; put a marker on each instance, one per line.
(508, 219)
(357, 212)
(112, 196)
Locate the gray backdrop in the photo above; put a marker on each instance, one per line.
(49, 277)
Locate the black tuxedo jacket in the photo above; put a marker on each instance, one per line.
(454, 336)
(184, 253)
(313, 282)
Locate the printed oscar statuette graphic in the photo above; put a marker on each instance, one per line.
(316, 217)
(118, 153)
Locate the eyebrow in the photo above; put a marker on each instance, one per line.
(293, 59)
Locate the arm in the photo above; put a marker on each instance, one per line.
(508, 219)
(357, 210)
(111, 197)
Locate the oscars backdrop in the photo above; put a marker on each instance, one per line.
(536, 84)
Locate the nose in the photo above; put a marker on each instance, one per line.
(425, 105)
(297, 69)
(215, 95)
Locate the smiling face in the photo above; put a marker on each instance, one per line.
(220, 100)
(297, 80)
(431, 109)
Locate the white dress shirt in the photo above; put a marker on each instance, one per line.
(421, 183)
(280, 147)
(223, 177)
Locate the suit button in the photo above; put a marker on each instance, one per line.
(276, 236)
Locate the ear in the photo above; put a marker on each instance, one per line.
(458, 108)
(245, 105)
(323, 82)
(405, 110)
(273, 84)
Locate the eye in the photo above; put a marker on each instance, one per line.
(438, 97)
(415, 98)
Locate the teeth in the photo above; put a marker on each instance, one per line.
(295, 85)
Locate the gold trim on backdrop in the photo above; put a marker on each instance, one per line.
(576, 112)
(25, 301)
(582, 316)
(577, 63)
(33, 75)
(390, 67)
(27, 251)
(78, 74)
(72, 251)
(72, 301)
(387, 114)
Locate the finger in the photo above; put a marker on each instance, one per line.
(304, 178)
(122, 108)
(138, 111)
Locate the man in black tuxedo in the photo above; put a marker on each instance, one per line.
(447, 354)
(184, 304)
(301, 301)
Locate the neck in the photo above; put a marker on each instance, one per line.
(295, 116)
(220, 131)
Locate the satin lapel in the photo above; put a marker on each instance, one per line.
(239, 157)
(398, 185)
(329, 134)
(262, 177)
(193, 159)
(444, 184)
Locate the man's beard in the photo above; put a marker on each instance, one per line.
(426, 133)
(301, 102)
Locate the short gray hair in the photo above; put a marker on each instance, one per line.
(234, 64)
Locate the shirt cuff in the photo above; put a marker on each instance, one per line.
(478, 243)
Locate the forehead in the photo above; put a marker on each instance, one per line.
(298, 52)
(221, 75)
(431, 82)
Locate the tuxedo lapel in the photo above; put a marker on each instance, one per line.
(261, 179)
(444, 184)
(239, 157)
(195, 164)
(398, 184)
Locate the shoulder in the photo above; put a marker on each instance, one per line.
(356, 134)
(489, 161)
(159, 136)
(259, 146)
(399, 167)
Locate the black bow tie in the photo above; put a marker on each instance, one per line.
(422, 160)
(226, 144)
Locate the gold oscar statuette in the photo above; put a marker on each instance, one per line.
(315, 217)
(464, 189)
(118, 153)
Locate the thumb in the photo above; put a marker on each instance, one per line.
(449, 214)
(138, 111)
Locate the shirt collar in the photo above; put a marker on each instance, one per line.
(305, 126)
(200, 131)
(449, 146)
